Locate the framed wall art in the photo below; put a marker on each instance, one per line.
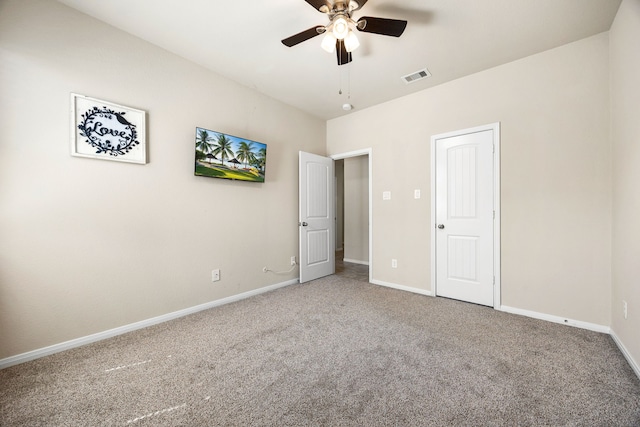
(104, 130)
(220, 155)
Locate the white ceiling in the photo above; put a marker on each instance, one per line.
(452, 38)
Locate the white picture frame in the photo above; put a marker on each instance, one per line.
(108, 131)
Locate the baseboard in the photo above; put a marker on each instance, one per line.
(355, 261)
(401, 287)
(634, 365)
(556, 319)
(67, 345)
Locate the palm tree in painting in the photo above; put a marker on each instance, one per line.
(223, 148)
(203, 141)
(261, 158)
(245, 152)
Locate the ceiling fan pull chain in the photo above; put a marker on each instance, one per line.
(349, 82)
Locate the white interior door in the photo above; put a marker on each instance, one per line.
(316, 224)
(464, 216)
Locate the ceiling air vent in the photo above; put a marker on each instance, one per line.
(418, 75)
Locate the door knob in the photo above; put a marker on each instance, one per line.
(304, 224)
(440, 226)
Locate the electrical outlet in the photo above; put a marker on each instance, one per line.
(624, 309)
(215, 275)
(416, 194)
(394, 263)
(293, 260)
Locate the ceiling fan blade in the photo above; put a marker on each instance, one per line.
(384, 26)
(303, 36)
(323, 6)
(344, 57)
(360, 3)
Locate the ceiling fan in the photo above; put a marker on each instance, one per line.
(339, 35)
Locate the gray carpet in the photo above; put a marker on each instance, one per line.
(332, 352)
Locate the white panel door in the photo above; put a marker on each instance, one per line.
(464, 212)
(316, 224)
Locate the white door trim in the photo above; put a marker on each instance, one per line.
(495, 127)
(364, 152)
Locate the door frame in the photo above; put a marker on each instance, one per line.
(495, 127)
(357, 153)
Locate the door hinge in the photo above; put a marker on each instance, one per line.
(494, 280)
(494, 214)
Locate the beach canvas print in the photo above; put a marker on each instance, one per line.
(219, 155)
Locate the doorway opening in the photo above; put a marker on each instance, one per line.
(353, 214)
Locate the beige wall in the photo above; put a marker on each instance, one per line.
(556, 176)
(625, 129)
(89, 245)
(339, 171)
(356, 209)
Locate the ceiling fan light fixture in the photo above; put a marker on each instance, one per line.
(351, 43)
(329, 42)
(340, 28)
